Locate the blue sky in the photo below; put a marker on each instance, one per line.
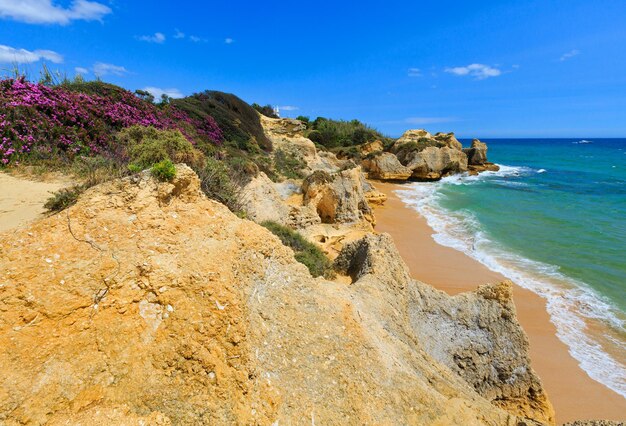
(480, 68)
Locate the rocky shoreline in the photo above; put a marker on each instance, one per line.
(418, 155)
(148, 302)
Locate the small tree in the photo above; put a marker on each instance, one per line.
(144, 95)
(266, 110)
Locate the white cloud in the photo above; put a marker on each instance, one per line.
(229, 40)
(156, 38)
(197, 39)
(22, 56)
(45, 12)
(101, 69)
(429, 120)
(288, 108)
(478, 71)
(414, 72)
(569, 55)
(158, 92)
(81, 70)
(179, 34)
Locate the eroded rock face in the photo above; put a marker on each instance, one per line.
(410, 136)
(287, 135)
(477, 154)
(368, 148)
(475, 334)
(337, 198)
(386, 166)
(261, 201)
(433, 163)
(147, 302)
(450, 140)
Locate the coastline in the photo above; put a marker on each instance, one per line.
(573, 393)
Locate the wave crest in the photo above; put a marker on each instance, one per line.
(570, 303)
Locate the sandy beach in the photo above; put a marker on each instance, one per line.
(22, 199)
(573, 393)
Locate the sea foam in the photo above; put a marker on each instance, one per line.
(570, 303)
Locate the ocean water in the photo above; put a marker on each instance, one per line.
(553, 219)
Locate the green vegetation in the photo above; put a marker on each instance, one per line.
(266, 110)
(239, 122)
(338, 133)
(64, 198)
(164, 170)
(221, 183)
(146, 146)
(305, 252)
(288, 164)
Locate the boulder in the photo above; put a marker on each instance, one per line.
(477, 154)
(433, 163)
(487, 167)
(386, 166)
(337, 198)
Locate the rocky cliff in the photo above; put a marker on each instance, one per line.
(421, 156)
(146, 302)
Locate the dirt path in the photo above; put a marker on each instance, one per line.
(22, 199)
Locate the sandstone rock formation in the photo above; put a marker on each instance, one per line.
(430, 157)
(385, 166)
(477, 154)
(261, 201)
(433, 163)
(410, 136)
(475, 334)
(287, 135)
(449, 139)
(477, 158)
(337, 198)
(372, 195)
(370, 147)
(148, 303)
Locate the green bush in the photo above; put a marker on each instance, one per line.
(289, 165)
(164, 170)
(266, 110)
(240, 123)
(305, 252)
(64, 198)
(220, 183)
(146, 146)
(340, 133)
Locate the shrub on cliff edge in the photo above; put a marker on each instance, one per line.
(305, 252)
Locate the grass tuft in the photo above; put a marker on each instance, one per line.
(305, 252)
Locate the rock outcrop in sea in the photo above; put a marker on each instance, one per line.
(421, 156)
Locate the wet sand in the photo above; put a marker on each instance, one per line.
(573, 393)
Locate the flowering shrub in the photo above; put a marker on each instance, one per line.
(59, 120)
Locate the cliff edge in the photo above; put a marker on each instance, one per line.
(148, 302)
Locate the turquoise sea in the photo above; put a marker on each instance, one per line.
(553, 219)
